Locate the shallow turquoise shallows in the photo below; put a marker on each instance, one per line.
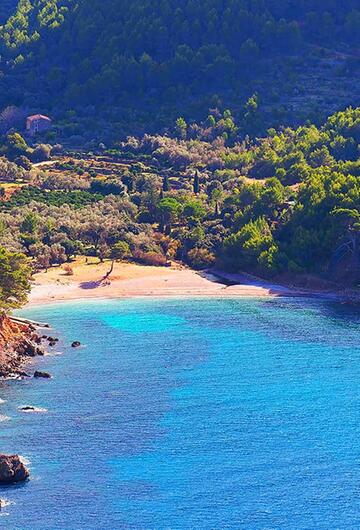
(190, 414)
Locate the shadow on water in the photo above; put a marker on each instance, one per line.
(5, 488)
(345, 312)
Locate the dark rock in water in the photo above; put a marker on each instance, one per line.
(52, 344)
(52, 339)
(23, 374)
(44, 375)
(30, 408)
(12, 469)
(76, 344)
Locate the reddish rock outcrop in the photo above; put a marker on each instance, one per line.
(12, 469)
(18, 342)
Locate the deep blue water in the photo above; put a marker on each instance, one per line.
(190, 414)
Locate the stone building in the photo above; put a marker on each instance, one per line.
(37, 123)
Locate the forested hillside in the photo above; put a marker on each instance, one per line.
(162, 168)
(159, 58)
(287, 204)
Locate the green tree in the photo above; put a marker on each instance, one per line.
(16, 145)
(246, 248)
(181, 128)
(193, 209)
(251, 120)
(30, 223)
(196, 184)
(120, 250)
(165, 186)
(168, 210)
(15, 274)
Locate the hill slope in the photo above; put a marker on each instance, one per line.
(183, 56)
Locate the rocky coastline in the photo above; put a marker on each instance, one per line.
(19, 342)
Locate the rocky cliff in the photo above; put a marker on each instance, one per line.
(18, 342)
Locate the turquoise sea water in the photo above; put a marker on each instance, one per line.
(190, 414)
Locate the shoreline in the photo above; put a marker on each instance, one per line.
(90, 281)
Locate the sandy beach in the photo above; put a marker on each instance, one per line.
(131, 280)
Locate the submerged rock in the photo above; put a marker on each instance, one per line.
(76, 344)
(12, 469)
(44, 375)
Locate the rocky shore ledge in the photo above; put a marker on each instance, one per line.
(19, 341)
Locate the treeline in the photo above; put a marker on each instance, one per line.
(28, 21)
(158, 28)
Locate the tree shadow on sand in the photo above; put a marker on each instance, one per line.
(94, 284)
(91, 285)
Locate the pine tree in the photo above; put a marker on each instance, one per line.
(196, 183)
(166, 186)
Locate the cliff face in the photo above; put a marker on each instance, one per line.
(18, 342)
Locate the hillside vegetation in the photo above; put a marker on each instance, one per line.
(148, 59)
(288, 203)
(162, 169)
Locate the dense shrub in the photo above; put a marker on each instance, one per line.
(200, 258)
